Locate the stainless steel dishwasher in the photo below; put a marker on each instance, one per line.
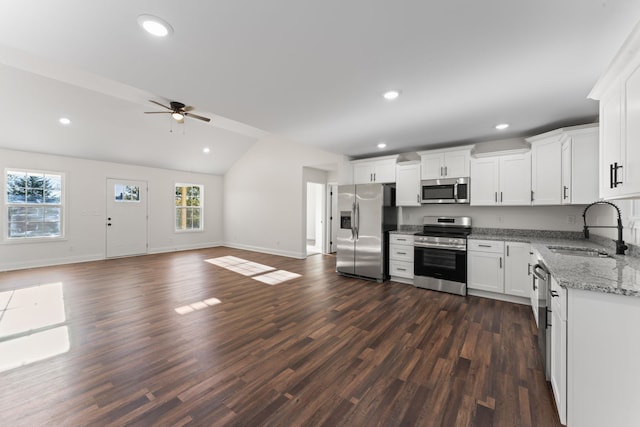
(541, 287)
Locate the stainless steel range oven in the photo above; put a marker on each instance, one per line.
(440, 254)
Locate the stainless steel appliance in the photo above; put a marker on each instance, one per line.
(449, 190)
(440, 254)
(541, 293)
(367, 214)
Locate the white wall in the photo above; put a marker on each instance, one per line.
(517, 217)
(85, 237)
(265, 196)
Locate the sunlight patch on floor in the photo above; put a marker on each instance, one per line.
(190, 308)
(32, 325)
(253, 269)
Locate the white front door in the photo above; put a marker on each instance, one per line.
(126, 217)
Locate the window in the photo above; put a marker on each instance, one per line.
(34, 203)
(189, 207)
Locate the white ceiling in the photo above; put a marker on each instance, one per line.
(312, 72)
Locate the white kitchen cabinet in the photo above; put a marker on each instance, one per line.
(603, 347)
(408, 184)
(546, 168)
(438, 164)
(500, 268)
(485, 265)
(516, 271)
(401, 257)
(558, 377)
(380, 170)
(501, 180)
(579, 161)
(618, 91)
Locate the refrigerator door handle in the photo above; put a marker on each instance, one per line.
(357, 220)
(353, 221)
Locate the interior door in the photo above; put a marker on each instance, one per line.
(126, 224)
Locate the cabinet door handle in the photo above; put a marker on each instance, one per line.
(402, 253)
(529, 271)
(500, 262)
(532, 195)
(485, 246)
(401, 269)
(564, 189)
(445, 171)
(507, 250)
(441, 171)
(418, 198)
(501, 197)
(374, 177)
(615, 175)
(401, 240)
(611, 172)
(534, 283)
(546, 321)
(554, 294)
(496, 196)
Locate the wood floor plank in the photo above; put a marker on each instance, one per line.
(317, 350)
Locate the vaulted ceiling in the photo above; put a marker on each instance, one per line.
(311, 72)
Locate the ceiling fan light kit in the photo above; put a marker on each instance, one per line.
(178, 111)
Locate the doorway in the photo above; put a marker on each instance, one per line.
(126, 224)
(315, 218)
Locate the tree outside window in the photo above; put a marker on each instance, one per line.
(188, 199)
(34, 204)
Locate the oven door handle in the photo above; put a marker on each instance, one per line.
(437, 246)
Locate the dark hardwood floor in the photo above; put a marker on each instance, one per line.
(319, 350)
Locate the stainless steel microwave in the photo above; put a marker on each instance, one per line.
(449, 190)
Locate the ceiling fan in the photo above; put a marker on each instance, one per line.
(178, 111)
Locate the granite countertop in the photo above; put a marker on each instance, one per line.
(617, 274)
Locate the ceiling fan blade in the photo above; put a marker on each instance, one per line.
(163, 106)
(157, 112)
(188, 108)
(195, 116)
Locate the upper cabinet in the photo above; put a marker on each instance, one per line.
(563, 162)
(618, 91)
(501, 180)
(546, 169)
(408, 184)
(378, 170)
(449, 163)
(579, 161)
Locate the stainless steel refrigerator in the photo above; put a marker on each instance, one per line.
(367, 214)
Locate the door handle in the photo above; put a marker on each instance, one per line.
(357, 220)
(108, 224)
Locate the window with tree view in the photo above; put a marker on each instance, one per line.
(34, 202)
(188, 207)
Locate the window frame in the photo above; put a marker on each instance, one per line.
(177, 185)
(7, 205)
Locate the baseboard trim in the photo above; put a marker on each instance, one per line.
(51, 262)
(179, 248)
(501, 297)
(270, 251)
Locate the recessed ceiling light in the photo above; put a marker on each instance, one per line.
(391, 95)
(65, 121)
(206, 150)
(502, 126)
(154, 25)
(382, 145)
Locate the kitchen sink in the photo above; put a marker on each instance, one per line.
(585, 252)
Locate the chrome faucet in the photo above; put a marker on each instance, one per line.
(620, 246)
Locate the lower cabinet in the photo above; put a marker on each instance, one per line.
(499, 267)
(401, 257)
(559, 348)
